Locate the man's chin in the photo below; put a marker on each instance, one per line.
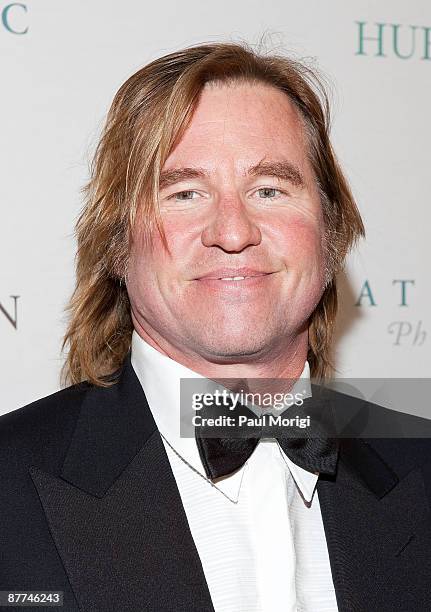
(231, 351)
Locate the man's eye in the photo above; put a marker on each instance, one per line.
(269, 192)
(179, 195)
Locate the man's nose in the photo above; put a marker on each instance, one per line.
(231, 227)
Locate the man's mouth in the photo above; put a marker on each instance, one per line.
(229, 274)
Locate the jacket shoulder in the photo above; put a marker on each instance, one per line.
(402, 439)
(41, 431)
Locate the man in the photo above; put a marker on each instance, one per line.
(215, 221)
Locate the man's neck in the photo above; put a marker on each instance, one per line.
(285, 361)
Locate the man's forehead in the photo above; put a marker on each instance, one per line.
(251, 107)
(241, 123)
(226, 98)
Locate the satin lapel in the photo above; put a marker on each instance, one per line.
(377, 525)
(115, 512)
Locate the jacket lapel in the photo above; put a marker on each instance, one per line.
(115, 512)
(377, 524)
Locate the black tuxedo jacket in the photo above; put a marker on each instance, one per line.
(89, 506)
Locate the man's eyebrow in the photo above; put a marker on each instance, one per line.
(170, 177)
(283, 170)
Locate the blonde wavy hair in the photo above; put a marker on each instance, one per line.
(147, 117)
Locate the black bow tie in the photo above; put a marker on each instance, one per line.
(313, 449)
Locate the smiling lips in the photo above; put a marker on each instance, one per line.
(232, 274)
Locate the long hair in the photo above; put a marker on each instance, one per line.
(148, 116)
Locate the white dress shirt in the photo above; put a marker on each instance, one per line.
(258, 531)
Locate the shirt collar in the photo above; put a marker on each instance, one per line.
(160, 378)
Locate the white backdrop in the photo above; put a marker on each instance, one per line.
(62, 62)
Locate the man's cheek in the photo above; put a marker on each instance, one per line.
(308, 247)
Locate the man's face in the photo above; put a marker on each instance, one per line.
(247, 206)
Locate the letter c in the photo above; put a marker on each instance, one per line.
(5, 17)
